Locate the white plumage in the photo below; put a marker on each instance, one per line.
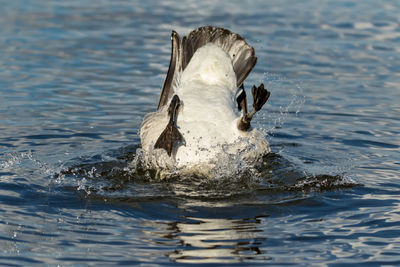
(207, 117)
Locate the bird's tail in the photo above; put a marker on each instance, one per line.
(241, 53)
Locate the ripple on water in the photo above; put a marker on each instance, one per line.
(77, 80)
(115, 178)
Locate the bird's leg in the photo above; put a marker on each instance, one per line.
(171, 134)
(260, 97)
(243, 123)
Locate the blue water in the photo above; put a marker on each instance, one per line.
(77, 77)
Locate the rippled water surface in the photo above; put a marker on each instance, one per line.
(77, 77)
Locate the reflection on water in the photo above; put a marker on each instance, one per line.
(205, 240)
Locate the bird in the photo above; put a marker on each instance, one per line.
(202, 115)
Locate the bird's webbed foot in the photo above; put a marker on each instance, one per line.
(260, 97)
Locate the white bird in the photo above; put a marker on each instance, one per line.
(198, 119)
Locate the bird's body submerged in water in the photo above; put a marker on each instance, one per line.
(198, 120)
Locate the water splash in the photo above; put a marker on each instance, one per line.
(21, 163)
(230, 174)
(117, 175)
(13, 159)
(120, 179)
(279, 112)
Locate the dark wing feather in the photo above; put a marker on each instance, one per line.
(174, 64)
(241, 53)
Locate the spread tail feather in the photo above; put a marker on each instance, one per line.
(242, 55)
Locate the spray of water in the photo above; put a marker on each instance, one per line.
(124, 173)
(280, 108)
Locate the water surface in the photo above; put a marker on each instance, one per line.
(78, 78)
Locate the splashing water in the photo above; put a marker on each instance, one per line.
(79, 80)
(277, 114)
(13, 160)
(123, 177)
(123, 173)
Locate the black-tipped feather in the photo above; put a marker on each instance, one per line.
(242, 55)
